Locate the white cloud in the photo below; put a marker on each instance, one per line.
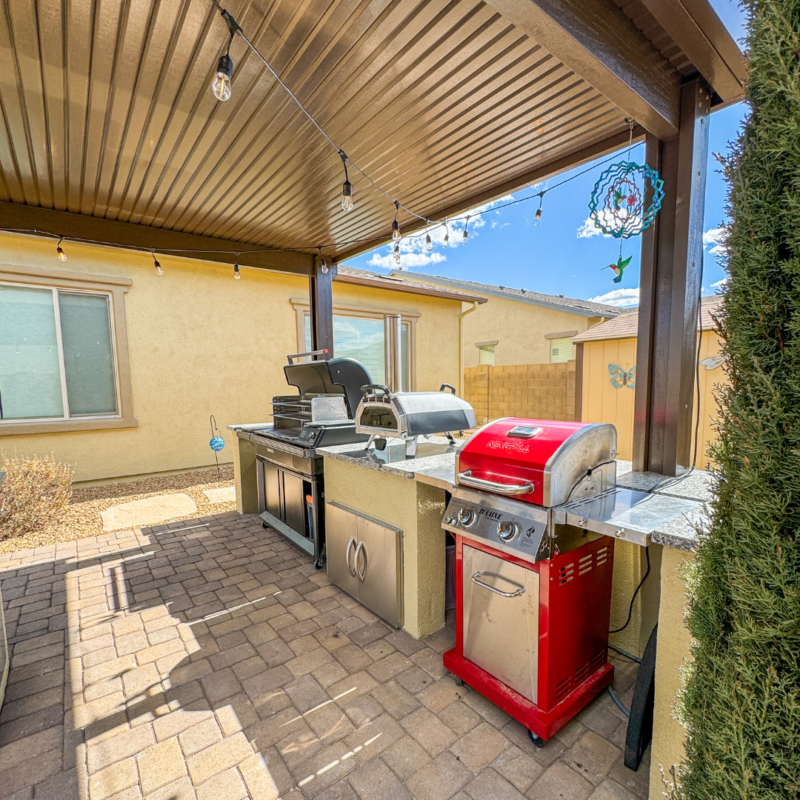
(721, 284)
(622, 298)
(407, 260)
(715, 239)
(413, 248)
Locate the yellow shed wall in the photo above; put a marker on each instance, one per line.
(201, 343)
(601, 402)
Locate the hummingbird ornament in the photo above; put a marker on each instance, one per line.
(619, 268)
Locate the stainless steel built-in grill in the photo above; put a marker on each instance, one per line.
(408, 415)
(289, 471)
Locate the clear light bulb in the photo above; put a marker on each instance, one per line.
(159, 271)
(236, 273)
(221, 85)
(537, 216)
(465, 235)
(397, 254)
(347, 196)
(446, 234)
(396, 231)
(61, 254)
(428, 242)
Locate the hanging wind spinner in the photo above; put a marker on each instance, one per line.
(618, 206)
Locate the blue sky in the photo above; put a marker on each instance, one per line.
(557, 256)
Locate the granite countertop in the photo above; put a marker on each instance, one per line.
(680, 533)
(438, 469)
(435, 462)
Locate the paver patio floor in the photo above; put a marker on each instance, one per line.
(209, 659)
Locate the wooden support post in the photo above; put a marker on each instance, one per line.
(320, 294)
(672, 253)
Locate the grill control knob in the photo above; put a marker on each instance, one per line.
(466, 516)
(507, 530)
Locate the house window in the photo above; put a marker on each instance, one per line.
(486, 356)
(364, 339)
(560, 350)
(56, 354)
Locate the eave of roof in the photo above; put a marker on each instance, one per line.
(534, 298)
(363, 278)
(626, 326)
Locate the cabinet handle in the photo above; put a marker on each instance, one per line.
(350, 543)
(477, 575)
(361, 549)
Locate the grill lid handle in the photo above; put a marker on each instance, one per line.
(506, 489)
(447, 386)
(376, 388)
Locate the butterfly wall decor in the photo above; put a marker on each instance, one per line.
(621, 377)
(713, 362)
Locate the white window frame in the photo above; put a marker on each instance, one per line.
(113, 289)
(411, 318)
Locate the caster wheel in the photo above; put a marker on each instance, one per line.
(320, 564)
(537, 740)
(459, 682)
(264, 525)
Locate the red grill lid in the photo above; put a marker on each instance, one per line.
(512, 452)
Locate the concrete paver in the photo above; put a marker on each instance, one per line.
(209, 659)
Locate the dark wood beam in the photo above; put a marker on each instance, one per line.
(671, 272)
(548, 169)
(320, 296)
(699, 32)
(601, 45)
(33, 220)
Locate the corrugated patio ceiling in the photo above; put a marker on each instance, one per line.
(107, 113)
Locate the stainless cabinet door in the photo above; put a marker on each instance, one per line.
(501, 619)
(341, 538)
(294, 502)
(378, 561)
(272, 490)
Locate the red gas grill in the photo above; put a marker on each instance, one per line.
(533, 593)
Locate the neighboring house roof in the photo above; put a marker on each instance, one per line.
(557, 302)
(626, 326)
(362, 277)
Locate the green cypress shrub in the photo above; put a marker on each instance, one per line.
(741, 703)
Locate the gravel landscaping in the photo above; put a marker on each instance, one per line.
(82, 517)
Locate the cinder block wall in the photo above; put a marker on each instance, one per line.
(537, 391)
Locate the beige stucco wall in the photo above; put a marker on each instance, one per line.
(417, 509)
(671, 656)
(519, 328)
(201, 343)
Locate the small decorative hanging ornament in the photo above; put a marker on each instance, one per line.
(619, 267)
(617, 205)
(217, 442)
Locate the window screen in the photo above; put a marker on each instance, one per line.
(486, 355)
(560, 350)
(88, 354)
(30, 373)
(54, 345)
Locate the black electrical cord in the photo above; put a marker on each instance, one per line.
(584, 476)
(625, 654)
(638, 588)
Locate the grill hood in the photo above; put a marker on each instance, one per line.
(539, 461)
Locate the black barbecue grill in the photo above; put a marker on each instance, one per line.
(289, 470)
